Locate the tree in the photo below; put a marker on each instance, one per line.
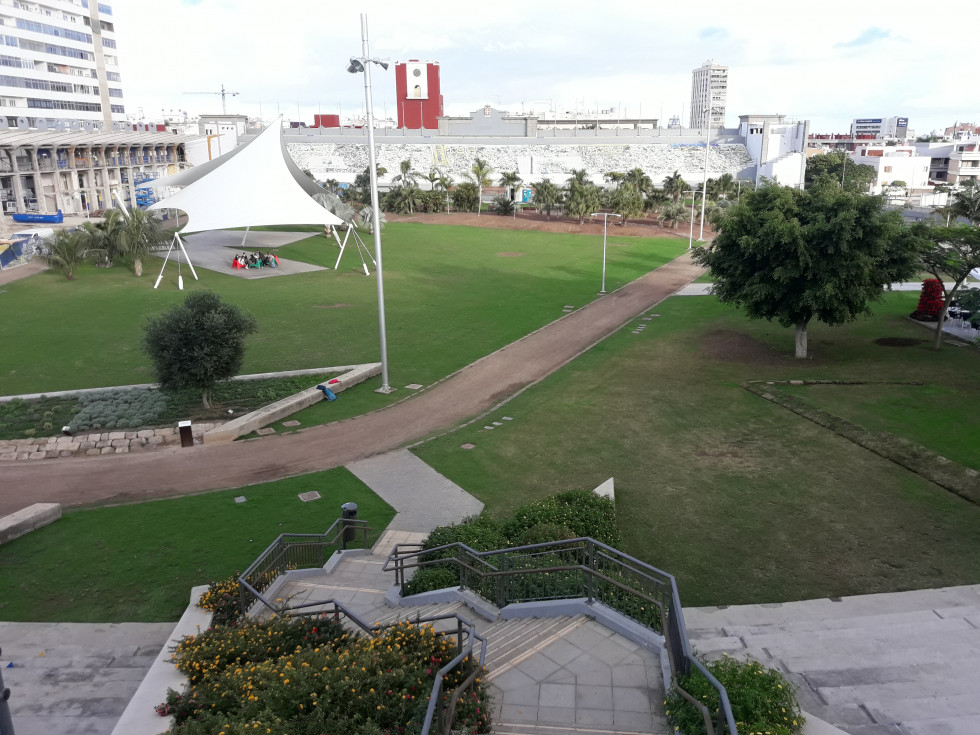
(480, 175)
(642, 182)
(106, 235)
(511, 180)
(627, 201)
(198, 343)
(675, 186)
(578, 176)
(68, 249)
(582, 200)
(547, 195)
(140, 236)
(407, 175)
(465, 196)
(794, 255)
(673, 213)
(361, 190)
(951, 253)
(503, 205)
(433, 178)
(966, 203)
(446, 183)
(833, 165)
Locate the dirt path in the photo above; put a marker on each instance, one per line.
(472, 391)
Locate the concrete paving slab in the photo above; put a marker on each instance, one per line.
(214, 251)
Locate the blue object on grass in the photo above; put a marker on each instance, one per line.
(327, 393)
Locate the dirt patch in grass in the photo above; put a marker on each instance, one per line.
(898, 341)
(510, 255)
(331, 306)
(727, 346)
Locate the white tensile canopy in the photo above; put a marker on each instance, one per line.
(255, 184)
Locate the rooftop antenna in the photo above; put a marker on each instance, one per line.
(224, 93)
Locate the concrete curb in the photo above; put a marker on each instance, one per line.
(816, 726)
(140, 716)
(248, 423)
(29, 519)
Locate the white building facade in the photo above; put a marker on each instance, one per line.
(881, 127)
(709, 92)
(58, 62)
(777, 147)
(964, 164)
(894, 164)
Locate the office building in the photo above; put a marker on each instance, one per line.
(59, 63)
(709, 90)
(871, 128)
(418, 95)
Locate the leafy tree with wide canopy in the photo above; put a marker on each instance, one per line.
(198, 343)
(951, 253)
(794, 256)
(627, 201)
(583, 198)
(466, 196)
(833, 165)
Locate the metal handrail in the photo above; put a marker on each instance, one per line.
(591, 558)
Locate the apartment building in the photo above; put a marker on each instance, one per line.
(964, 164)
(58, 62)
(709, 92)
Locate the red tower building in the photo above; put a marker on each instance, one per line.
(418, 95)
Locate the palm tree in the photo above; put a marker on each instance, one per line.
(578, 176)
(672, 214)
(141, 235)
(67, 249)
(582, 200)
(465, 196)
(511, 180)
(627, 201)
(642, 182)
(407, 175)
(615, 177)
(105, 235)
(547, 195)
(446, 183)
(365, 218)
(675, 186)
(966, 203)
(433, 178)
(480, 175)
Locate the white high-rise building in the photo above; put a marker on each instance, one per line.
(709, 89)
(58, 62)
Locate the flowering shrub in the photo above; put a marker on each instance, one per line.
(223, 599)
(311, 677)
(762, 700)
(930, 301)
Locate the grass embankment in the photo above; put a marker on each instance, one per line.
(453, 294)
(741, 499)
(137, 563)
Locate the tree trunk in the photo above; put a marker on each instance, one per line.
(206, 398)
(138, 267)
(938, 341)
(479, 200)
(801, 339)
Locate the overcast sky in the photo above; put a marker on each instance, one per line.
(825, 61)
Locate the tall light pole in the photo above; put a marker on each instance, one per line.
(694, 198)
(605, 224)
(704, 191)
(363, 64)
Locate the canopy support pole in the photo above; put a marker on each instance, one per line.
(244, 236)
(342, 244)
(180, 244)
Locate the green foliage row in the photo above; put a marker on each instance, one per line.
(137, 408)
(762, 700)
(309, 676)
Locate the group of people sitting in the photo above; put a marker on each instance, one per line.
(257, 259)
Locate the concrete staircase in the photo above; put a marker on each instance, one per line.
(549, 675)
(898, 664)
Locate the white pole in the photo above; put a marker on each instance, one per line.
(690, 237)
(385, 387)
(704, 192)
(605, 224)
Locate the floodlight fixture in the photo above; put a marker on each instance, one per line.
(355, 66)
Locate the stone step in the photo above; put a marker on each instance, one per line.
(520, 728)
(863, 622)
(511, 642)
(423, 611)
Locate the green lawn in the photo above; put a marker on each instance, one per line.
(453, 294)
(742, 500)
(137, 563)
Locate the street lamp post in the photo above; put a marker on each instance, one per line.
(363, 64)
(605, 224)
(694, 197)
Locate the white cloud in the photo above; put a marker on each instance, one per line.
(291, 57)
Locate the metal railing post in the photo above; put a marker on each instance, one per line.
(6, 721)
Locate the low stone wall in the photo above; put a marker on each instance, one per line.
(95, 444)
(255, 420)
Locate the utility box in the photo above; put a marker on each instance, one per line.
(186, 433)
(348, 512)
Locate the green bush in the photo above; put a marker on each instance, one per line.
(481, 533)
(762, 700)
(543, 533)
(432, 578)
(582, 512)
(311, 677)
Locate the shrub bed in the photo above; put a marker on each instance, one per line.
(312, 677)
(762, 700)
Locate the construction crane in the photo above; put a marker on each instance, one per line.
(224, 93)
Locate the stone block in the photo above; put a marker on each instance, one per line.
(28, 519)
(122, 450)
(106, 450)
(23, 455)
(153, 440)
(137, 442)
(93, 452)
(102, 444)
(144, 434)
(294, 422)
(130, 435)
(66, 453)
(37, 455)
(85, 446)
(7, 456)
(51, 453)
(265, 432)
(116, 435)
(117, 443)
(163, 432)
